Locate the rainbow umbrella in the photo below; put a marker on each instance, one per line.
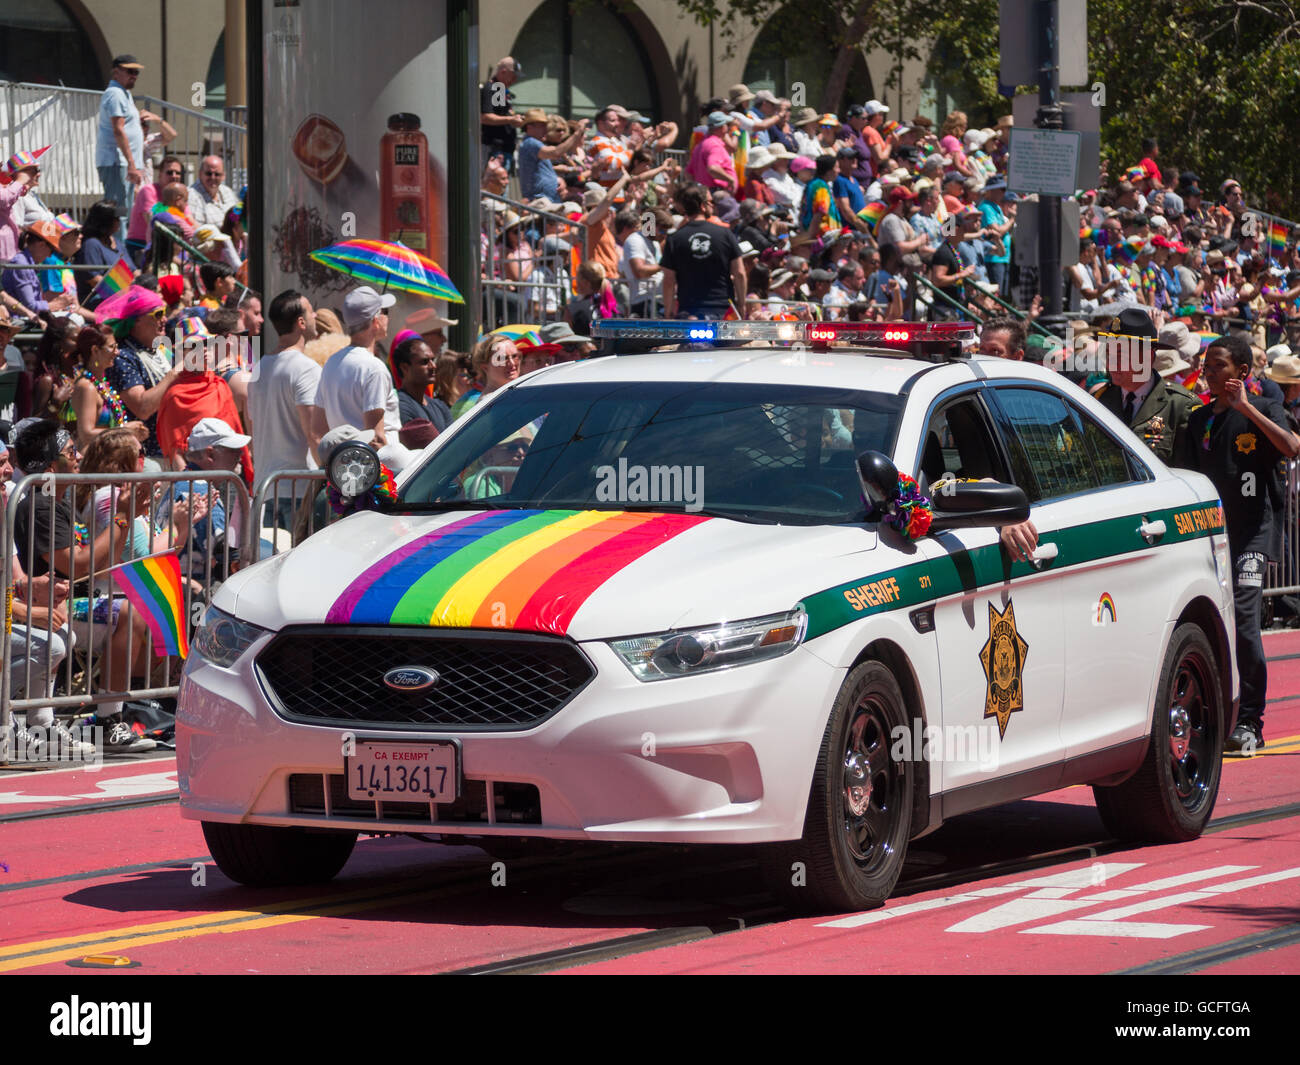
(390, 264)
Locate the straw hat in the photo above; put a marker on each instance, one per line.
(1285, 370)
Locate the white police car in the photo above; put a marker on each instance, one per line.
(663, 598)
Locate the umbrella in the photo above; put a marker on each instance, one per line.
(522, 335)
(390, 264)
(129, 303)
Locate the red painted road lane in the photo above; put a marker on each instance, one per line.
(1063, 920)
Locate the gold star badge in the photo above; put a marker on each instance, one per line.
(1003, 659)
(1246, 443)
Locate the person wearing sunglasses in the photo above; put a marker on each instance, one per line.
(143, 370)
(170, 171)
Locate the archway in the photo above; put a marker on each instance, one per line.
(575, 66)
(44, 43)
(791, 50)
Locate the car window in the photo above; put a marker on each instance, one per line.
(959, 440)
(1110, 458)
(1054, 457)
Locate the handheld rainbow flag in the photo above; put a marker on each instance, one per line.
(741, 158)
(1277, 234)
(161, 209)
(873, 213)
(153, 585)
(118, 279)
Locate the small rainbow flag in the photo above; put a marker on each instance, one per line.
(873, 213)
(1277, 234)
(1087, 232)
(741, 158)
(118, 279)
(1208, 338)
(153, 585)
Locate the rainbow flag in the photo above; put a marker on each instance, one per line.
(153, 585)
(1208, 338)
(118, 279)
(1277, 234)
(873, 213)
(741, 158)
(528, 570)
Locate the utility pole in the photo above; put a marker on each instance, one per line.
(1049, 116)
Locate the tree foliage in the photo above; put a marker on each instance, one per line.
(1217, 83)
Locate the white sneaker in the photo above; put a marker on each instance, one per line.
(119, 738)
(25, 746)
(67, 747)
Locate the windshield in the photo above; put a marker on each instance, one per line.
(758, 453)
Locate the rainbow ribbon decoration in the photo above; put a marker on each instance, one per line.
(118, 279)
(527, 570)
(872, 213)
(153, 585)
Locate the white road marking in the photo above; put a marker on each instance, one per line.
(121, 788)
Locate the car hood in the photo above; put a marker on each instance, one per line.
(586, 574)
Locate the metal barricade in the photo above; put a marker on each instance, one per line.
(199, 134)
(284, 517)
(1283, 577)
(93, 645)
(37, 115)
(543, 296)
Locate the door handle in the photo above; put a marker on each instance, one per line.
(1152, 530)
(1043, 553)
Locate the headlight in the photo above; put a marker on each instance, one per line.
(687, 652)
(221, 639)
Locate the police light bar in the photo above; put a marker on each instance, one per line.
(669, 330)
(889, 334)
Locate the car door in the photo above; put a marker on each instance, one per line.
(1100, 504)
(998, 624)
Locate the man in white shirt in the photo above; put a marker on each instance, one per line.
(356, 388)
(777, 177)
(282, 403)
(209, 198)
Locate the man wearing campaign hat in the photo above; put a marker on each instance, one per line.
(356, 388)
(1137, 393)
(119, 144)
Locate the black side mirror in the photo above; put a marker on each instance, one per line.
(879, 477)
(977, 504)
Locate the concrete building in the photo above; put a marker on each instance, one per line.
(645, 54)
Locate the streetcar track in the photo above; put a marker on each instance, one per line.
(1207, 957)
(95, 874)
(106, 806)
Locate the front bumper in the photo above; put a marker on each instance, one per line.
(725, 757)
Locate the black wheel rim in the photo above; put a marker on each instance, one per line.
(1193, 702)
(870, 813)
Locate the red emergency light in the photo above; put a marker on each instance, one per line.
(890, 334)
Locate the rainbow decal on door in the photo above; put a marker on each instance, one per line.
(526, 570)
(1105, 605)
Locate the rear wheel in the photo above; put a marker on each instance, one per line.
(859, 809)
(1171, 797)
(265, 856)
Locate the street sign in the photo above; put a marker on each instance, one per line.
(1024, 241)
(1018, 41)
(1079, 113)
(1045, 161)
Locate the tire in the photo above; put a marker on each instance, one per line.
(264, 856)
(1170, 798)
(851, 860)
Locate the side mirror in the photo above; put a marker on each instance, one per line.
(879, 477)
(978, 504)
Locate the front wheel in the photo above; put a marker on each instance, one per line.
(1171, 797)
(267, 856)
(859, 809)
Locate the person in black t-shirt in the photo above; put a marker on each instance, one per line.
(947, 272)
(1238, 441)
(702, 263)
(498, 122)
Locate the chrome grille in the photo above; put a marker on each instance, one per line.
(487, 681)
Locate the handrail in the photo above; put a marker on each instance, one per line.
(203, 116)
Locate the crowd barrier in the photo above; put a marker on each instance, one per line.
(287, 508)
(93, 647)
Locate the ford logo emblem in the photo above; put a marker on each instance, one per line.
(410, 679)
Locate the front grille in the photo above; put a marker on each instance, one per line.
(486, 681)
(513, 803)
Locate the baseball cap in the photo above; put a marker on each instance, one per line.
(901, 192)
(855, 111)
(618, 109)
(800, 162)
(997, 181)
(848, 152)
(875, 107)
(765, 96)
(363, 304)
(340, 435)
(717, 118)
(213, 432)
(127, 62)
(820, 275)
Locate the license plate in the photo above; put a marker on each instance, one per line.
(402, 772)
